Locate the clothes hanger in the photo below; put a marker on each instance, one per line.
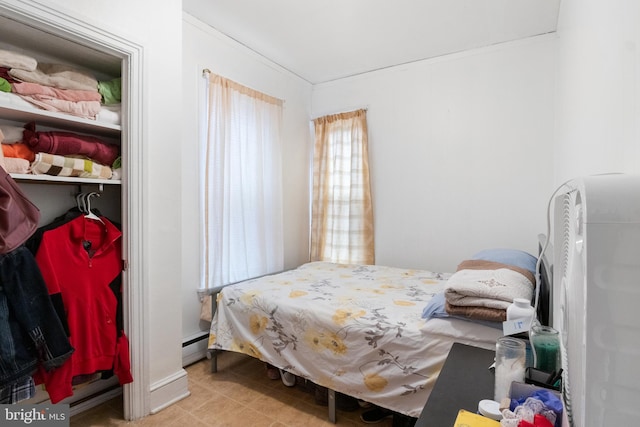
(80, 202)
(89, 213)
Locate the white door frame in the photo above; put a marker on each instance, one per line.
(136, 394)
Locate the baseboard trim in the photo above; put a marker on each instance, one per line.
(168, 391)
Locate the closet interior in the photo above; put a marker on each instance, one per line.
(52, 190)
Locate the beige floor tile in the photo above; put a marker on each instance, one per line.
(239, 395)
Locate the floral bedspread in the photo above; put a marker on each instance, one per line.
(356, 329)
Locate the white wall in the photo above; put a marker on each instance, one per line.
(460, 150)
(204, 47)
(598, 103)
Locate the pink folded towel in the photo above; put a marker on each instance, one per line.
(47, 92)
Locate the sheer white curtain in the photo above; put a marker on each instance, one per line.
(242, 191)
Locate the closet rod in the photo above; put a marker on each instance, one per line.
(99, 184)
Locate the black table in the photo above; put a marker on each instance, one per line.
(465, 379)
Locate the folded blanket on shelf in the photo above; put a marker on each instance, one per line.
(85, 109)
(12, 59)
(5, 86)
(111, 91)
(109, 114)
(42, 92)
(484, 289)
(116, 173)
(55, 165)
(69, 143)
(12, 134)
(4, 73)
(19, 150)
(16, 165)
(57, 75)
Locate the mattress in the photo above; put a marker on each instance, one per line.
(356, 329)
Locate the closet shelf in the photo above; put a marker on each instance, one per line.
(55, 119)
(49, 179)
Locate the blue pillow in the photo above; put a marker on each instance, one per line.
(436, 308)
(515, 257)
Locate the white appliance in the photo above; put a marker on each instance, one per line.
(596, 298)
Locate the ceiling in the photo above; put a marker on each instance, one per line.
(326, 40)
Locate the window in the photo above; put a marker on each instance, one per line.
(342, 212)
(242, 191)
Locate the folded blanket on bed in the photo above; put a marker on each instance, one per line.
(477, 313)
(69, 143)
(16, 60)
(52, 164)
(57, 75)
(484, 289)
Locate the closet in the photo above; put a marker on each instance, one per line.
(51, 37)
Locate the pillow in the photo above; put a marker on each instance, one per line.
(436, 308)
(515, 257)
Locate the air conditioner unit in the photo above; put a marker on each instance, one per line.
(596, 298)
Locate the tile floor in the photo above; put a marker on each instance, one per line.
(239, 394)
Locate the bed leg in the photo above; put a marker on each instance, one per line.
(213, 355)
(332, 405)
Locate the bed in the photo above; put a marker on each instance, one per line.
(355, 329)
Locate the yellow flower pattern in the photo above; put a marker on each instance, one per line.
(257, 323)
(375, 382)
(320, 341)
(356, 329)
(404, 303)
(342, 315)
(246, 348)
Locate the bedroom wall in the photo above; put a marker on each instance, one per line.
(204, 47)
(460, 150)
(598, 97)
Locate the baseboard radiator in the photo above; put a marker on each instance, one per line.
(194, 348)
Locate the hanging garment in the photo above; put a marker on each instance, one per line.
(31, 334)
(18, 391)
(19, 217)
(80, 261)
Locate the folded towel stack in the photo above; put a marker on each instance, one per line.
(483, 290)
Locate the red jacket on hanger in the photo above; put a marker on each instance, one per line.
(79, 260)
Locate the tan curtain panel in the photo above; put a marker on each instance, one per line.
(342, 212)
